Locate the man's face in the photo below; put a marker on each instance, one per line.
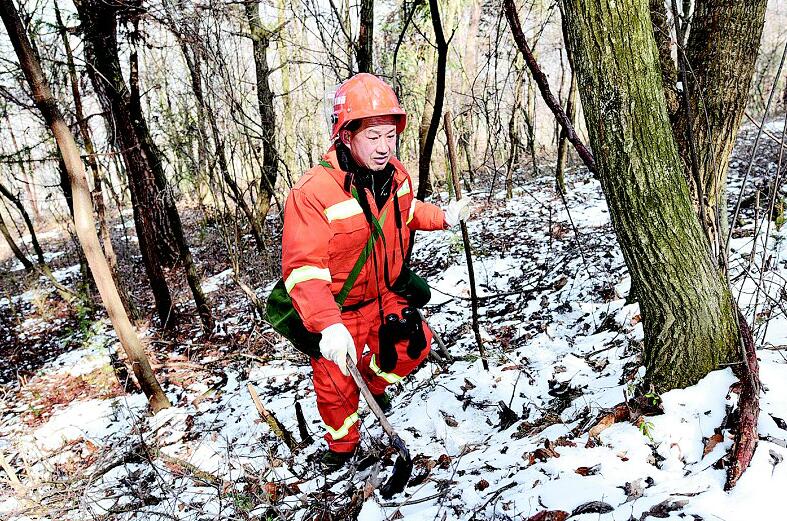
(373, 144)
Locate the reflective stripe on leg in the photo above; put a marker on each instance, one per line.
(391, 378)
(342, 431)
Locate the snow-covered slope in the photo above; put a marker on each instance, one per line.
(563, 349)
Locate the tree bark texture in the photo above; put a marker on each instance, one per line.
(662, 33)
(721, 52)
(686, 305)
(260, 38)
(129, 131)
(83, 214)
(363, 51)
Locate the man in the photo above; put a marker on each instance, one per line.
(331, 213)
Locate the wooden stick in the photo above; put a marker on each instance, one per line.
(306, 438)
(444, 355)
(277, 428)
(12, 477)
(449, 134)
(746, 437)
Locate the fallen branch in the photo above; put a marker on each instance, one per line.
(13, 479)
(276, 427)
(195, 471)
(748, 408)
(765, 131)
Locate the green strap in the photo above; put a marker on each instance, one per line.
(364, 256)
(353, 275)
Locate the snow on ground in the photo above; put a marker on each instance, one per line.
(48, 256)
(563, 348)
(213, 283)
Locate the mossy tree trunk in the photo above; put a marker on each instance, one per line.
(721, 52)
(686, 305)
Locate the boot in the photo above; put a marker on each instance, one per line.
(332, 461)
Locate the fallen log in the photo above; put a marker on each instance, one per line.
(748, 408)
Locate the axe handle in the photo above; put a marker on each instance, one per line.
(369, 397)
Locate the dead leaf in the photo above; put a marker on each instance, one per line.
(593, 507)
(588, 471)
(444, 461)
(482, 485)
(605, 423)
(712, 442)
(663, 509)
(449, 420)
(549, 515)
(543, 454)
(634, 489)
(271, 490)
(467, 385)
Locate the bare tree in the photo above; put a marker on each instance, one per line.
(425, 157)
(159, 229)
(261, 38)
(83, 210)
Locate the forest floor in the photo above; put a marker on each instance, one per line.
(536, 433)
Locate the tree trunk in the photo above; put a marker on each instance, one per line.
(662, 33)
(513, 137)
(363, 49)
(14, 248)
(145, 175)
(261, 40)
(83, 215)
(287, 50)
(173, 216)
(423, 132)
(687, 308)
(721, 52)
(425, 157)
(84, 130)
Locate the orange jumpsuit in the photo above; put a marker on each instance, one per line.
(324, 232)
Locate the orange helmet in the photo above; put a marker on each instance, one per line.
(363, 96)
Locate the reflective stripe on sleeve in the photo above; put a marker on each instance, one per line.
(388, 377)
(404, 190)
(306, 273)
(344, 430)
(412, 211)
(343, 210)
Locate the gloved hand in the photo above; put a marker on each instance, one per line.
(336, 343)
(457, 211)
